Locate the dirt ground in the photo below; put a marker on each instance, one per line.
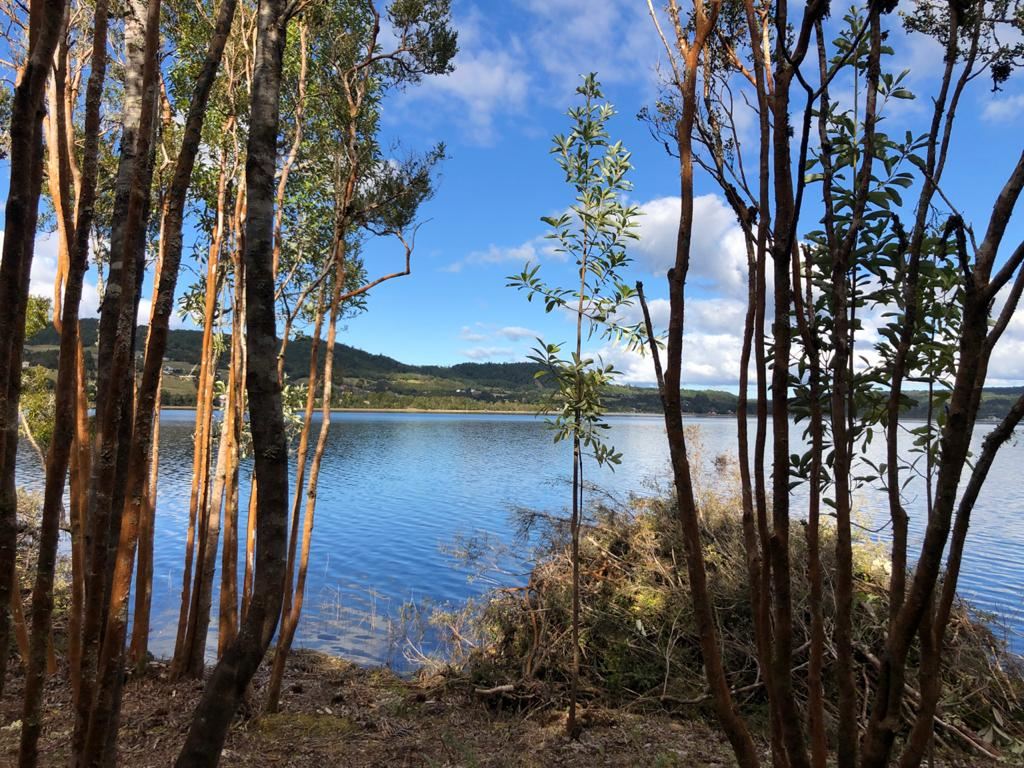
(336, 714)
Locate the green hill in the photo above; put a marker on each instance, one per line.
(365, 380)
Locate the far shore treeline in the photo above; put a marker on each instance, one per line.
(366, 380)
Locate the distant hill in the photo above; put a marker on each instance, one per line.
(366, 380)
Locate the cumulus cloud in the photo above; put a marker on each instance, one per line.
(490, 80)
(485, 83)
(498, 72)
(709, 360)
(718, 260)
(614, 37)
(1007, 365)
(44, 275)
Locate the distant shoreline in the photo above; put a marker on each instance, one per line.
(492, 412)
(467, 411)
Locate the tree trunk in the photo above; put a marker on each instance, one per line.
(21, 215)
(139, 649)
(204, 422)
(735, 728)
(236, 667)
(290, 615)
(115, 363)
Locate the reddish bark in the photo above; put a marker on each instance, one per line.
(21, 214)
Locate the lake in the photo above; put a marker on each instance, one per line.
(397, 489)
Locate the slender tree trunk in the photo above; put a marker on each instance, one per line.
(206, 559)
(974, 349)
(250, 547)
(236, 667)
(26, 164)
(204, 422)
(64, 422)
(228, 625)
(77, 259)
(732, 723)
(79, 478)
(931, 689)
(284, 641)
(139, 649)
(104, 635)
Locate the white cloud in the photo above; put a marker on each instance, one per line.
(484, 84)
(708, 360)
(498, 73)
(1004, 109)
(470, 334)
(44, 274)
(1007, 364)
(488, 353)
(490, 79)
(614, 38)
(517, 333)
(718, 260)
(534, 250)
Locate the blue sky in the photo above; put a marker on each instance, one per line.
(518, 66)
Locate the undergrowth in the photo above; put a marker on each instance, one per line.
(640, 646)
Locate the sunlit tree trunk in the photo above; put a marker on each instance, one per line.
(115, 373)
(139, 649)
(690, 50)
(64, 420)
(26, 164)
(250, 547)
(228, 624)
(203, 422)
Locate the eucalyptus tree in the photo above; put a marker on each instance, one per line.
(594, 234)
(116, 357)
(934, 287)
(219, 196)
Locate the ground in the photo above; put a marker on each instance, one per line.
(336, 714)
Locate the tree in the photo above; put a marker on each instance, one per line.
(139, 462)
(860, 257)
(235, 669)
(594, 234)
(26, 163)
(369, 194)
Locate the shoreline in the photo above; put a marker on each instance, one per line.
(482, 411)
(496, 412)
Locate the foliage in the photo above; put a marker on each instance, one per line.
(594, 234)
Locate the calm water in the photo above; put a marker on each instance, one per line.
(396, 488)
